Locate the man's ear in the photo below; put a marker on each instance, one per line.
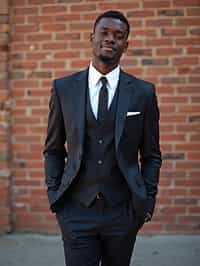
(125, 47)
(91, 37)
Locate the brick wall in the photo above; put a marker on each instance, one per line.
(49, 39)
(4, 121)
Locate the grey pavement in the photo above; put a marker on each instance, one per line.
(156, 250)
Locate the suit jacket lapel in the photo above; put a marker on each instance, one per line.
(125, 91)
(79, 93)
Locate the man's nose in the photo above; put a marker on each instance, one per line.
(110, 37)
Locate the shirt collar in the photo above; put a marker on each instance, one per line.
(112, 77)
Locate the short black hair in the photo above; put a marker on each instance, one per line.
(113, 14)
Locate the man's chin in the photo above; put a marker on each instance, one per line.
(106, 59)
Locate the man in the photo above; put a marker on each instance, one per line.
(104, 117)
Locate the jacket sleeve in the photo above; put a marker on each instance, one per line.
(150, 154)
(54, 150)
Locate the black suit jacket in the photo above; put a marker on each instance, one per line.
(134, 134)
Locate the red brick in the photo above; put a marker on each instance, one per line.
(165, 89)
(79, 63)
(184, 70)
(36, 2)
(25, 83)
(26, 28)
(181, 228)
(25, 47)
(195, 31)
(79, 45)
(137, 43)
(18, 19)
(40, 19)
(82, 7)
(173, 118)
(80, 26)
(25, 10)
(188, 147)
(173, 32)
(67, 17)
(68, 36)
(172, 137)
(158, 22)
(195, 99)
(39, 37)
(187, 22)
(134, 14)
(54, 46)
(158, 42)
(51, 27)
(24, 65)
(193, 11)
(154, 227)
(26, 183)
(194, 156)
(185, 201)
(123, 5)
(167, 109)
(188, 127)
(188, 109)
(174, 99)
(187, 41)
(185, 61)
(173, 80)
(169, 51)
(156, 4)
(37, 56)
(187, 183)
(195, 209)
(67, 54)
(194, 80)
(86, 16)
(185, 3)
(53, 65)
(159, 71)
(144, 32)
(54, 9)
(189, 89)
(167, 128)
(194, 173)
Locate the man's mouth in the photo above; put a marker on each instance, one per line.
(108, 48)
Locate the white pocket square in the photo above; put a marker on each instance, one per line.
(132, 113)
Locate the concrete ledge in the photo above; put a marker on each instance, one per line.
(42, 250)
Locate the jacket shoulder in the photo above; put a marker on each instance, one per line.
(140, 84)
(60, 83)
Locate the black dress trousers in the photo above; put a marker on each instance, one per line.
(98, 233)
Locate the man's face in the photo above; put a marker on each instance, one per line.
(109, 40)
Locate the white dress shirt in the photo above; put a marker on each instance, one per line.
(95, 85)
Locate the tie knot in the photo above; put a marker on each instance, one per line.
(103, 80)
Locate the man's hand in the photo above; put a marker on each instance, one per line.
(147, 217)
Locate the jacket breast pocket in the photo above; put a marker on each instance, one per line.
(133, 127)
(133, 121)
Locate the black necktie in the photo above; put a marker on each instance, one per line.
(103, 101)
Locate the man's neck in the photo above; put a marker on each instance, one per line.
(103, 68)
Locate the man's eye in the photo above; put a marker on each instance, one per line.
(120, 36)
(104, 33)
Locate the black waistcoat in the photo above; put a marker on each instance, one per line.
(99, 171)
